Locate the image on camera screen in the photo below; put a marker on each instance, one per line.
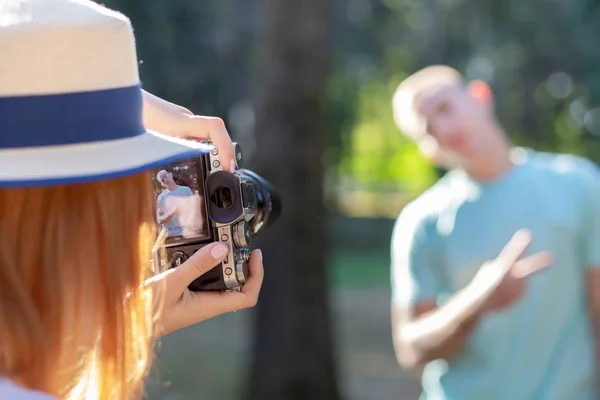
(179, 199)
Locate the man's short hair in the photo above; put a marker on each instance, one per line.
(404, 101)
(161, 174)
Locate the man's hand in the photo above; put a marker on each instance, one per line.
(179, 307)
(171, 119)
(164, 217)
(501, 282)
(427, 332)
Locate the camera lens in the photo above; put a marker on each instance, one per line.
(268, 202)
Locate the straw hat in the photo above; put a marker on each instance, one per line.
(70, 96)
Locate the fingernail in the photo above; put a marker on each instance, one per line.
(219, 251)
(232, 166)
(260, 255)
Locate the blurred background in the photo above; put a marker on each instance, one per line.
(305, 87)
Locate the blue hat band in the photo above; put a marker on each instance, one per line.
(51, 120)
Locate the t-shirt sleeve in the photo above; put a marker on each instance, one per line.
(591, 233)
(416, 273)
(160, 204)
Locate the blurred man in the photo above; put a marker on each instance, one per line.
(496, 268)
(170, 203)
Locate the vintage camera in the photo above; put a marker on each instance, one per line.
(197, 203)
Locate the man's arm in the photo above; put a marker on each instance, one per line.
(421, 331)
(165, 217)
(162, 215)
(424, 333)
(591, 254)
(593, 295)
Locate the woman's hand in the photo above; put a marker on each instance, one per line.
(181, 307)
(170, 119)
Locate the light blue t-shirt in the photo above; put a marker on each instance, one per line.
(541, 348)
(165, 203)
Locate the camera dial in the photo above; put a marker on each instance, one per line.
(241, 234)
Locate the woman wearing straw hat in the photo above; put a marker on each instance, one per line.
(79, 309)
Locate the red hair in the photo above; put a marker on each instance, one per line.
(75, 317)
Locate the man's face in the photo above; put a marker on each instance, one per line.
(167, 180)
(455, 125)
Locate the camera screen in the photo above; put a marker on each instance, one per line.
(180, 201)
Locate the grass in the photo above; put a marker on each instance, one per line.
(360, 256)
(359, 269)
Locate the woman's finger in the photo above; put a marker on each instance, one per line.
(199, 263)
(248, 297)
(252, 287)
(209, 304)
(213, 128)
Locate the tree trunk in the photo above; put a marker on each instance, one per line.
(293, 354)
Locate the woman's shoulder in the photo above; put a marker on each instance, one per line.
(11, 391)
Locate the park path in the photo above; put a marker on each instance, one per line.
(208, 361)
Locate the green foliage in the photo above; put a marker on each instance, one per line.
(540, 57)
(543, 71)
(380, 158)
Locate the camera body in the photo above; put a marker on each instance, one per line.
(198, 203)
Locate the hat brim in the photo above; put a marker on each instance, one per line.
(78, 163)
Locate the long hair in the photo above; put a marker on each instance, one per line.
(76, 320)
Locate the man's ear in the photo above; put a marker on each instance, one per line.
(481, 92)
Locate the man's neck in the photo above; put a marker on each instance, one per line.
(172, 187)
(493, 162)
